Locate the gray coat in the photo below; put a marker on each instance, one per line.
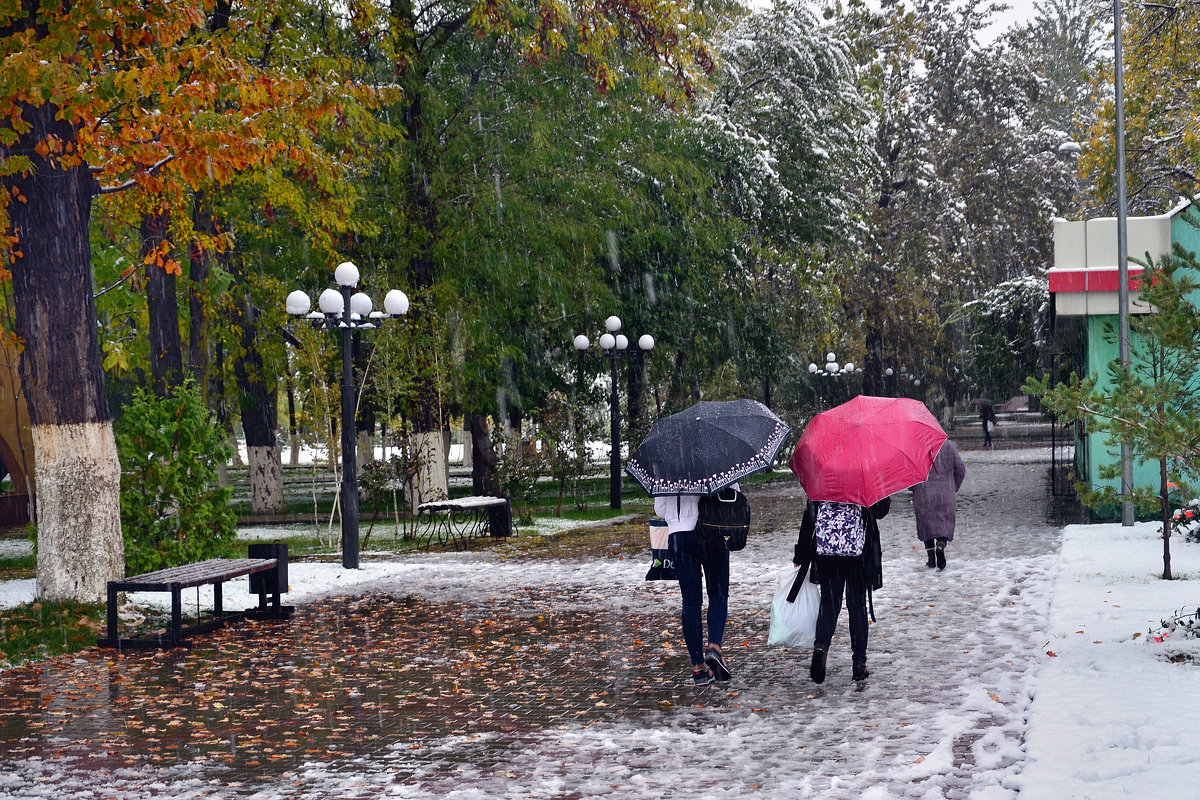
(933, 500)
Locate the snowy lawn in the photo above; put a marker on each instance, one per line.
(1112, 715)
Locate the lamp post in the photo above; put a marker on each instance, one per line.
(1122, 254)
(903, 376)
(348, 311)
(831, 371)
(615, 346)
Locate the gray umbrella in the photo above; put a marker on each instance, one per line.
(707, 447)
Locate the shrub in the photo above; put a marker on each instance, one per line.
(173, 508)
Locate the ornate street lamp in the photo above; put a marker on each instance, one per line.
(904, 376)
(615, 345)
(348, 311)
(832, 371)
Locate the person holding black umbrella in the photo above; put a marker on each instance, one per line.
(695, 561)
(700, 451)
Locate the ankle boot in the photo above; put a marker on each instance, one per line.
(860, 671)
(929, 557)
(817, 670)
(941, 555)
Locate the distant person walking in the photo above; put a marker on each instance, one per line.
(841, 541)
(934, 503)
(987, 416)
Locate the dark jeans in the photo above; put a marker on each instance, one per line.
(690, 559)
(835, 582)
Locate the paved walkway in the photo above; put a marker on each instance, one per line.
(471, 676)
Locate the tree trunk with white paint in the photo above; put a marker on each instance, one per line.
(257, 401)
(266, 480)
(365, 451)
(75, 456)
(468, 446)
(79, 511)
(432, 482)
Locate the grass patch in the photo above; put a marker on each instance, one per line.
(600, 542)
(37, 631)
(14, 567)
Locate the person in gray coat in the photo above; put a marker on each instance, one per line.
(934, 501)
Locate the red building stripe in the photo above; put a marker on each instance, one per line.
(1091, 280)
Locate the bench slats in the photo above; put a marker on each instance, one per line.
(462, 504)
(198, 574)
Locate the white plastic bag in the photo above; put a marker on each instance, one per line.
(794, 624)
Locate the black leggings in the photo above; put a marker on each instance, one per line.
(847, 579)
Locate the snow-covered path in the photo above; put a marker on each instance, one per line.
(952, 658)
(609, 712)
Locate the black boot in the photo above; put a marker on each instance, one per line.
(941, 554)
(817, 670)
(860, 673)
(930, 561)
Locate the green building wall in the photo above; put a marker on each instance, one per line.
(1103, 348)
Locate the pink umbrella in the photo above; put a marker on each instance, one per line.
(864, 450)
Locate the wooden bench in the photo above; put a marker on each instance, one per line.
(457, 522)
(268, 580)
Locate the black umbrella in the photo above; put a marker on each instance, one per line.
(707, 447)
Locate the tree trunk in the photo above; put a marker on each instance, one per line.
(199, 267)
(162, 303)
(633, 386)
(483, 458)
(422, 212)
(293, 430)
(873, 377)
(1166, 518)
(257, 404)
(75, 456)
(431, 483)
(468, 445)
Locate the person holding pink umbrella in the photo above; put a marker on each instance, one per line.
(850, 460)
(840, 542)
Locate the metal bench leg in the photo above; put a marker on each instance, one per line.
(112, 615)
(176, 617)
(218, 607)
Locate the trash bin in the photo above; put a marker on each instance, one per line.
(272, 581)
(500, 521)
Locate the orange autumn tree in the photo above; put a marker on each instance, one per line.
(295, 127)
(146, 98)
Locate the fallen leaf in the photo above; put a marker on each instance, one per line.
(1052, 654)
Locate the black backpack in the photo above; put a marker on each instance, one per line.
(724, 519)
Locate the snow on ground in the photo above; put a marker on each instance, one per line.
(1028, 668)
(1112, 716)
